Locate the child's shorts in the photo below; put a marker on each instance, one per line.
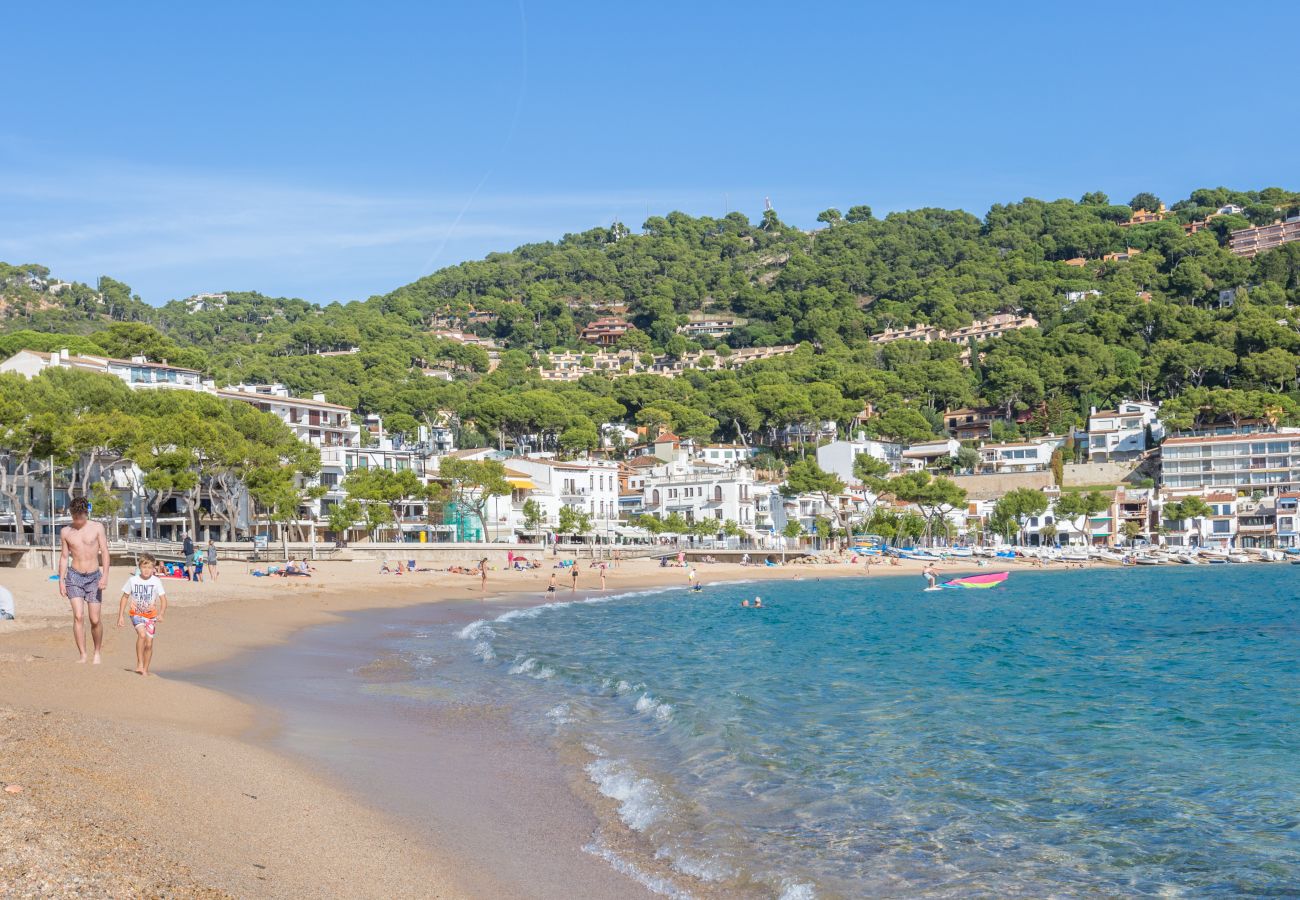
(148, 624)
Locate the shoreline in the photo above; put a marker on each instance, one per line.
(70, 725)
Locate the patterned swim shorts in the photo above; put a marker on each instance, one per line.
(84, 585)
(146, 621)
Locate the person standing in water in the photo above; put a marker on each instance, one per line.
(931, 575)
(83, 574)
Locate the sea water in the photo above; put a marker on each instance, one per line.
(1108, 732)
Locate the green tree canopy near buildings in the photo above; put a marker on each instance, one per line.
(1153, 327)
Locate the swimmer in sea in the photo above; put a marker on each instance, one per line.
(758, 603)
(744, 603)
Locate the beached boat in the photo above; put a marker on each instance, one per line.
(1238, 558)
(1074, 556)
(1187, 559)
(960, 552)
(1147, 559)
(920, 555)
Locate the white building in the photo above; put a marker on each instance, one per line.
(919, 456)
(1123, 433)
(583, 485)
(699, 491)
(137, 371)
(725, 454)
(838, 456)
(1019, 456)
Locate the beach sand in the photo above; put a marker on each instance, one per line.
(162, 786)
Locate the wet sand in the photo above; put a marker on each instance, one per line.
(134, 786)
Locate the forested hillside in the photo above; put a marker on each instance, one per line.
(1152, 324)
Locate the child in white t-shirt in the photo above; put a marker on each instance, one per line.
(148, 601)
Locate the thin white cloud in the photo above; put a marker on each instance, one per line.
(170, 227)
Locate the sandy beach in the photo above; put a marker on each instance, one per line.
(126, 786)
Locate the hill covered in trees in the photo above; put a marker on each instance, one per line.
(1152, 324)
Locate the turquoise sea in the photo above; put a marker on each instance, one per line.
(1108, 733)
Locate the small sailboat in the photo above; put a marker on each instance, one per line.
(988, 580)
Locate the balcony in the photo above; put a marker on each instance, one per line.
(571, 492)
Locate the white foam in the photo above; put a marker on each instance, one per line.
(795, 891)
(640, 804)
(475, 630)
(483, 650)
(653, 883)
(559, 714)
(623, 688)
(524, 668)
(703, 869)
(647, 703)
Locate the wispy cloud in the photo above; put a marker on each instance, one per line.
(174, 231)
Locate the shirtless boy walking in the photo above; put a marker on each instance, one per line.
(83, 574)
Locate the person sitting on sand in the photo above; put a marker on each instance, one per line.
(383, 567)
(148, 601)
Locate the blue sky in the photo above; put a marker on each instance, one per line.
(334, 151)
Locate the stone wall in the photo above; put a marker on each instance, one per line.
(1083, 474)
(990, 487)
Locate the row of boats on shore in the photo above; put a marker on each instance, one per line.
(1143, 556)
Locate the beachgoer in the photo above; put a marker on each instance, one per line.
(758, 603)
(692, 575)
(744, 603)
(198, 559)
(212, 560)
(550, 588)
(83, 574)
(187, 549)
(744, 560)
(148, 601)
(573, 570)
(681, 558)
(931, 575)
(602, 576)
(482, 572)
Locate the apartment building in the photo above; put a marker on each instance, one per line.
(583, 485)
(1018, 456)
(981, 329)
(920, 456)
(1287, 520)
(1145, 217)
(605, 331)
(709, 325)
(972, 424)
(1123, 433)
(1249, 242)
(839, 456)
(136, 372)
(1242, 463)
(700, 491)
